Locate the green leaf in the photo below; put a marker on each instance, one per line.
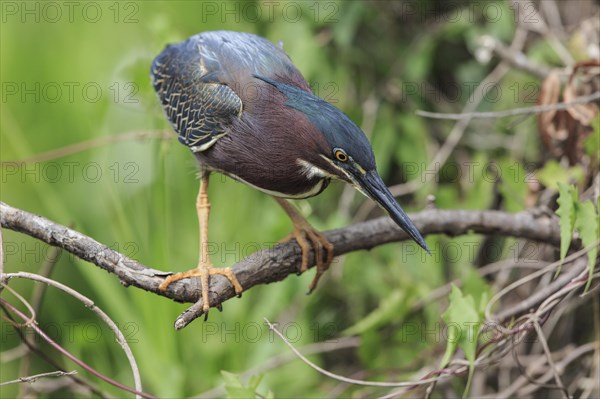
(345, 29)
(587, 226)
(463, 321)
(451, 346)
(479, 191)
(234, 387)
(411, 145)
(393, 307)
(591, 143)
(418, 66)
(513, 186)
(254, 381)
(552, 174)
(237, 390)
(566, 212)
(473, 284)
(370, 342)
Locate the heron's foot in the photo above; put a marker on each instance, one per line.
(308, 238)
(204, 271)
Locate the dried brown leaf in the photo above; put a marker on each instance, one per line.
(547, 124)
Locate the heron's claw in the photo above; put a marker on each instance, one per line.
(309, 239)
(204, 271)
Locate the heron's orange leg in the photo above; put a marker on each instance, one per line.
(204, 268)
(306, 236)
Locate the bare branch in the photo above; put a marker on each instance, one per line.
(548, 354)
(491, 80)
(519, 387)
(276, 263)
(93, 143)
(34, 378)
(120, 338)
(6, 305)
(282, 359)
(31, 318)
(1, 253)
(579, 266)
(353, 381)
(514, 57)
(512, 112)
(27, 345)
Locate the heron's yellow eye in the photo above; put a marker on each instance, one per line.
(340, 155)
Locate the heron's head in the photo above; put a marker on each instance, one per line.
(348, 155)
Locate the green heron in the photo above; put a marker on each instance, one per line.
(244, 110)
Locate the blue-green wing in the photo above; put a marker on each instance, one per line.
(201, 82)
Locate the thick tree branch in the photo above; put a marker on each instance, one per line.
(276, 263)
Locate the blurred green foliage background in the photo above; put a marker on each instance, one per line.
(83, 74)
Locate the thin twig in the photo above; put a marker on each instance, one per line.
(503, 265)
(74, 359)
(34, 378)
(90, 305)
(514, 57)
(531, 321)
(282, 359)
(539, 296)
(45, 271)
(12, 354)
(520, 383)
(346, 379)
(36, 302)
(31, 319)
(92, 143)
(512, 112)
(1, 252)
(552, 300)
(542, 338)
(24, 342)
(457, 132)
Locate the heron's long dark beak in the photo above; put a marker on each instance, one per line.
(372, 185)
